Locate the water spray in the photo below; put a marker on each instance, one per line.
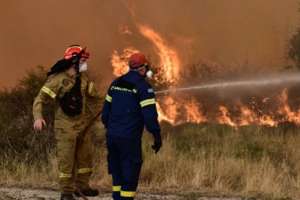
(258, 82)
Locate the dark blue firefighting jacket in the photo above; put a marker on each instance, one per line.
(129, 106)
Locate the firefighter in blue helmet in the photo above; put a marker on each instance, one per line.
(129, 106)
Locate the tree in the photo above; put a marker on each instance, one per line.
(294, 48)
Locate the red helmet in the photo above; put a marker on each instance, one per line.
(137, 60)
(75, 50)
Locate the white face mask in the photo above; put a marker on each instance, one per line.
(83, 67)
(149, 74)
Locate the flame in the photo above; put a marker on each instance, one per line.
(286, 111)
(169, 112)
(225, 118)
(169, 59)
(176, 112)
(168, 72)
(249, 117)
(119, 62)
(267, 120)
(194, 113)
(182, 109)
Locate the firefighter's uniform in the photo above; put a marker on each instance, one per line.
(74, 151)
(129, 106)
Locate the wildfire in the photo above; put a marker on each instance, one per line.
(169, 59)
(225, 117)
(194, 113)
(286, 111)
(188, 109)
(119, 62)
(169, 112)
(249, 117)
(178, 112)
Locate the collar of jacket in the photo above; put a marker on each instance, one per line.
(135, 73)
(69, 76)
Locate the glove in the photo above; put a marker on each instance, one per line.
(157, 144)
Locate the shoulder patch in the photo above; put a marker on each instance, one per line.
(150, 90)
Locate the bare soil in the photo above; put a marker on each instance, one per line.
(40, 194)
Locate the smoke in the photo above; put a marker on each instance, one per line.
(234, 32)
(245, 34)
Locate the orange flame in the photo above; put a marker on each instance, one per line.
(248, 117)
(225, 117)
(267, 120)
(177, 112)
(119, 62)
(169, 59)
(169, 112)
(285, 109)
(193, 112)
(189, 109)
(169, 72)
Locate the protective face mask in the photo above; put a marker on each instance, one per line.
(83, 67)
(149, 73)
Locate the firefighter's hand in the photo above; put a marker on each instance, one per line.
(39, 124)
(157, 144)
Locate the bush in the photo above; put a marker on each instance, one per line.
(18, 140)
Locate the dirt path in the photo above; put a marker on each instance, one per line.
(35, 194)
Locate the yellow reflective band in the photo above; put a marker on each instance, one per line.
(116, 188)
(63, 175)
(108, 98)
(90, 88)
(49, 92)
(85, 170)
(127, 194)
(147, 102)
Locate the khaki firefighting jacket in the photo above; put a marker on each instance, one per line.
(55, 87)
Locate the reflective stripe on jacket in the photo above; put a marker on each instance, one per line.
(129, 106)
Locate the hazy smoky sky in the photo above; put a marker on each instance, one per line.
(229, 32)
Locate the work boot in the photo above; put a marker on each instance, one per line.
(89, 192)
(67, 196)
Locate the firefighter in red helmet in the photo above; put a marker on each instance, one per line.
(129, 106)
(70, 88)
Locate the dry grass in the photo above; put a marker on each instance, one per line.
(251, 161)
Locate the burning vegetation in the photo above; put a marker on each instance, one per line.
(266, 107)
